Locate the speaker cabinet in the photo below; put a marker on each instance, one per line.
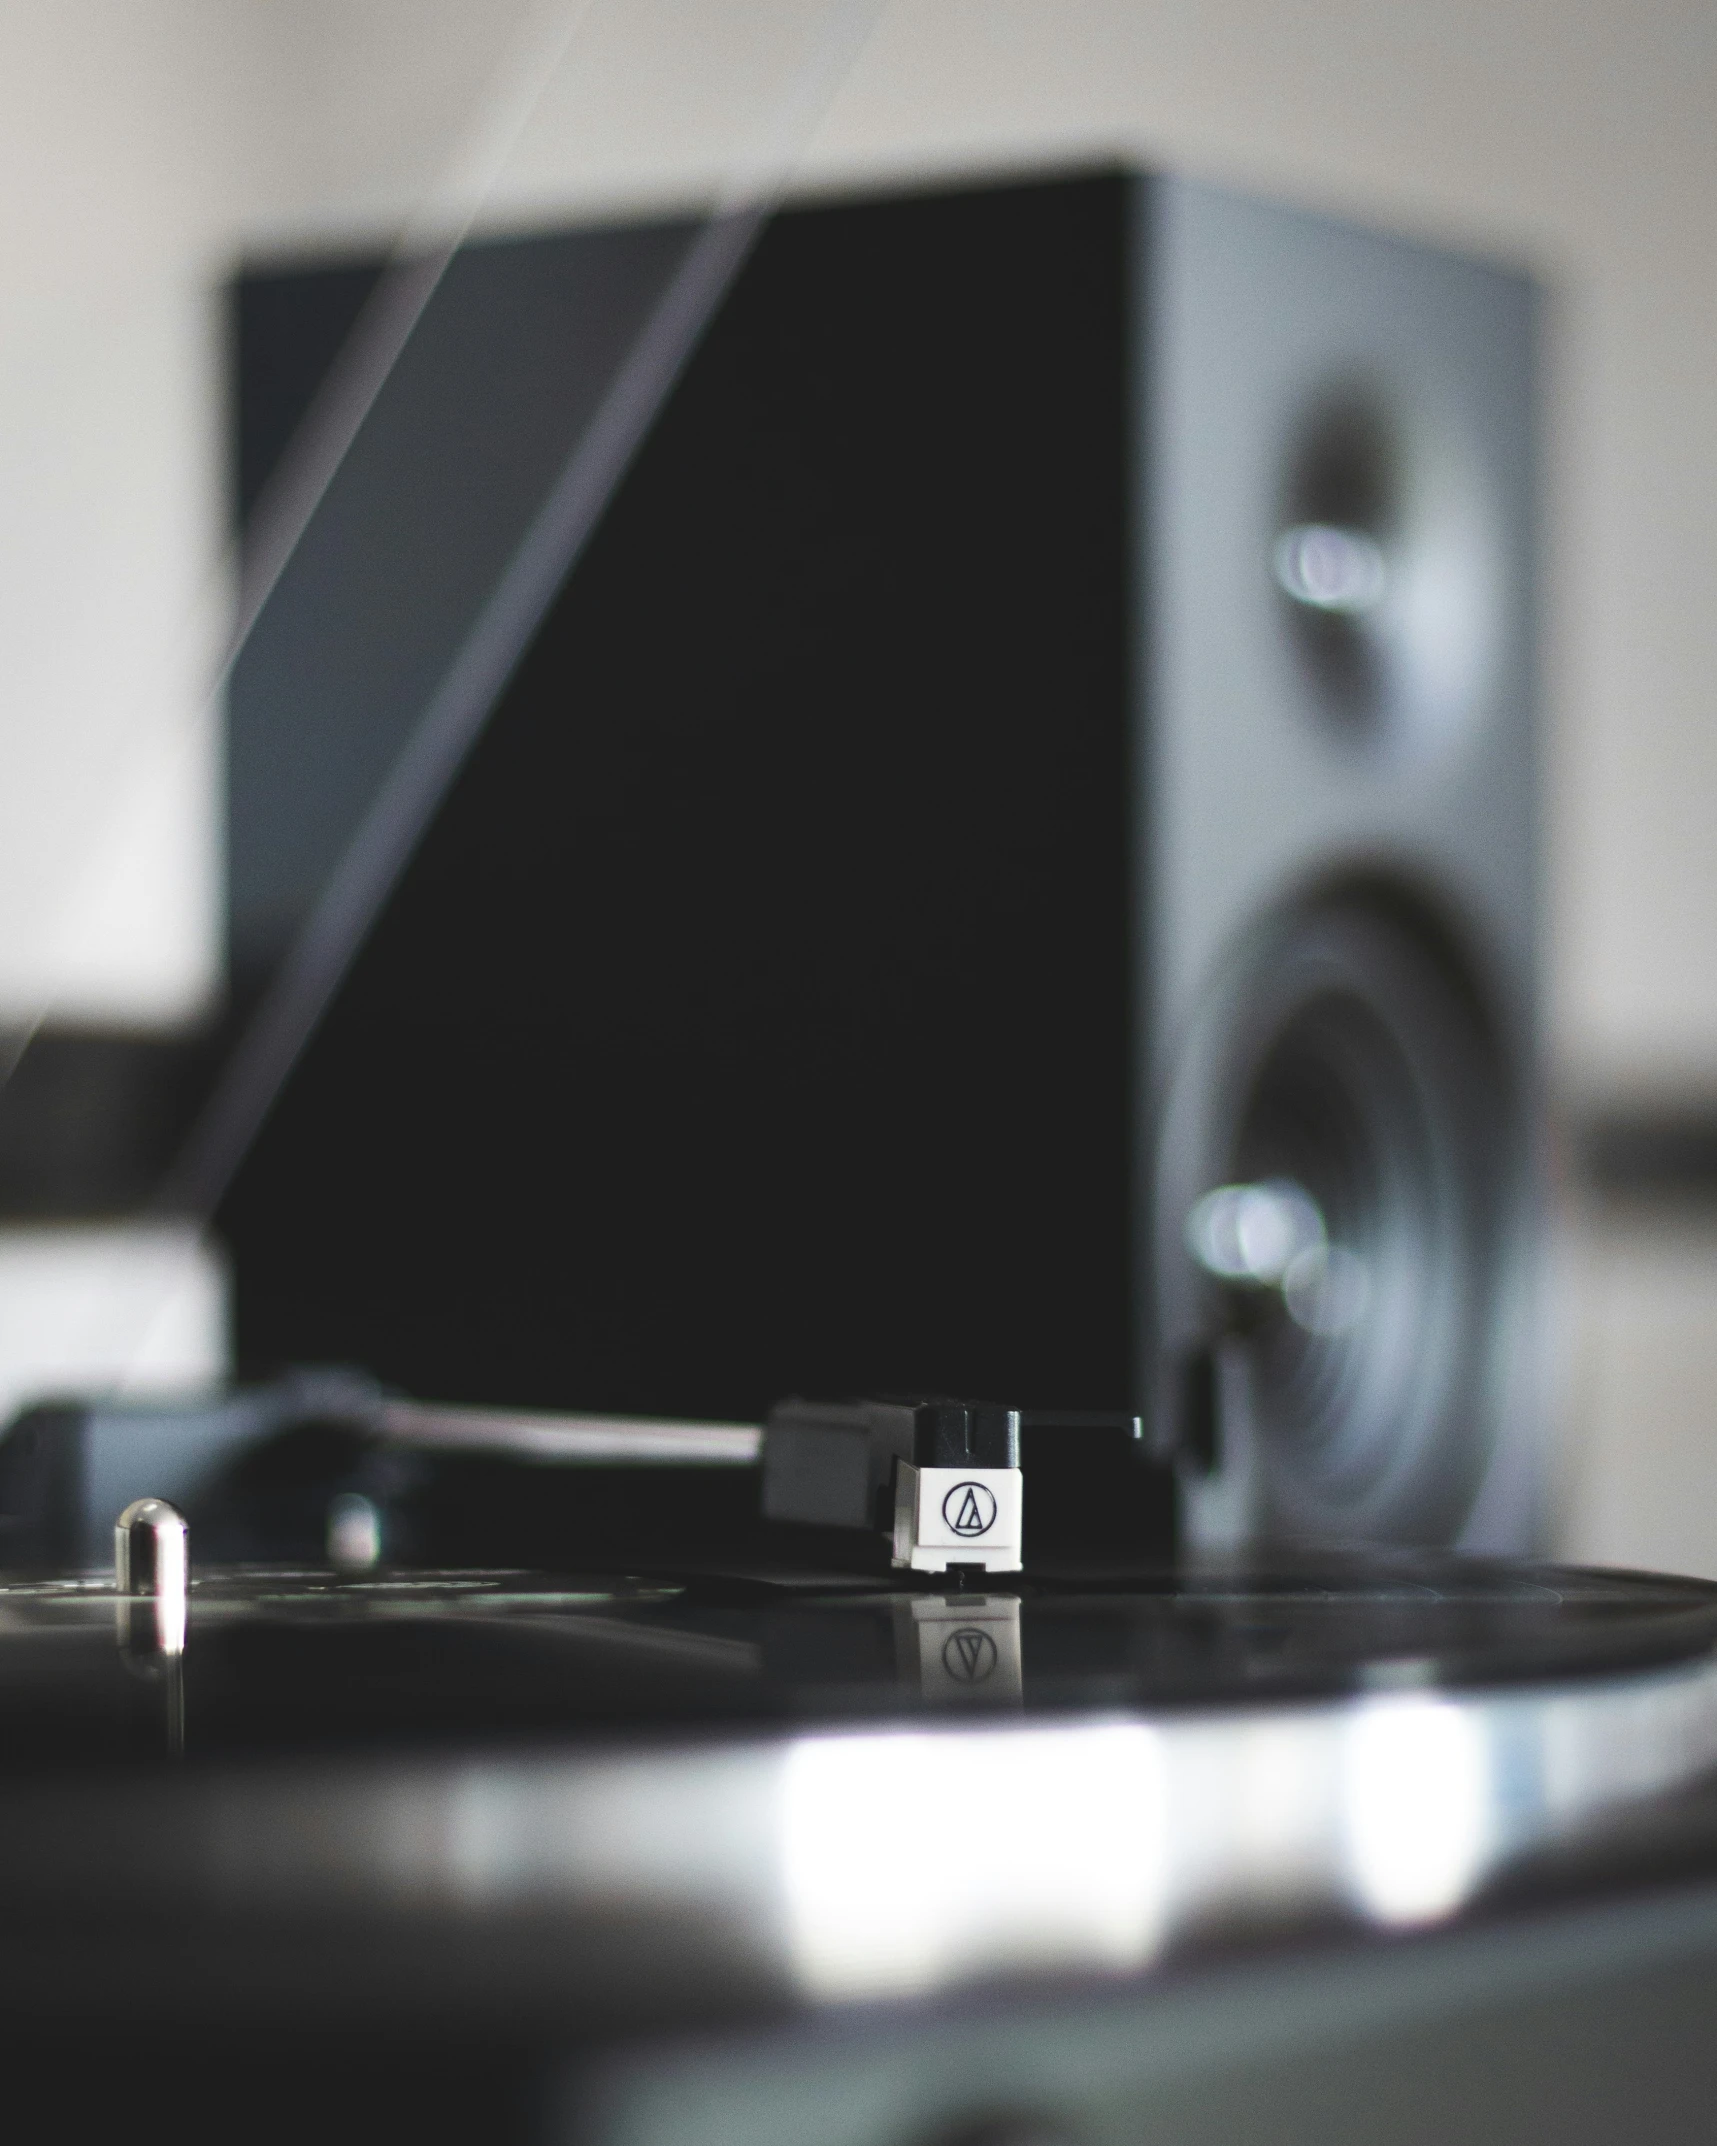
(1008, 869)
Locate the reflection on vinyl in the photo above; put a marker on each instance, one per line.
(286, 1659)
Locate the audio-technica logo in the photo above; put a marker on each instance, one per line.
(969, 1509)
(969, 1655)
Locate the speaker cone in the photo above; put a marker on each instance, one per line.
(1332, 1196)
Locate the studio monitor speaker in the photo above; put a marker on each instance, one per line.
(1008, 868)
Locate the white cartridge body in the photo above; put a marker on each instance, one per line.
(957, 1516)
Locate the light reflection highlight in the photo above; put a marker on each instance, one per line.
(913, 1858)
(1331, 569)
(1419, 1816)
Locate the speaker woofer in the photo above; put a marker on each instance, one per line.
(1333, 1191)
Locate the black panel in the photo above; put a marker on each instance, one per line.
(511, 357)
(754, 1016)
(288, 327)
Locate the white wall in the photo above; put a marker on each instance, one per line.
(111, 136)
(144, 142)
(1639, 1480)
(141, 1310)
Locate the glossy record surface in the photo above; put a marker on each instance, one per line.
(295, 1662)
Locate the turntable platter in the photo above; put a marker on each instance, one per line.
(498, 1796)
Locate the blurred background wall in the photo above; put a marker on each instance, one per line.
(146, 145)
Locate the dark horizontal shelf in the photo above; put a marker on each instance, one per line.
(1650, 1153)
(90, 1119)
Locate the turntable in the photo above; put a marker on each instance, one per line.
(751, 1847)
